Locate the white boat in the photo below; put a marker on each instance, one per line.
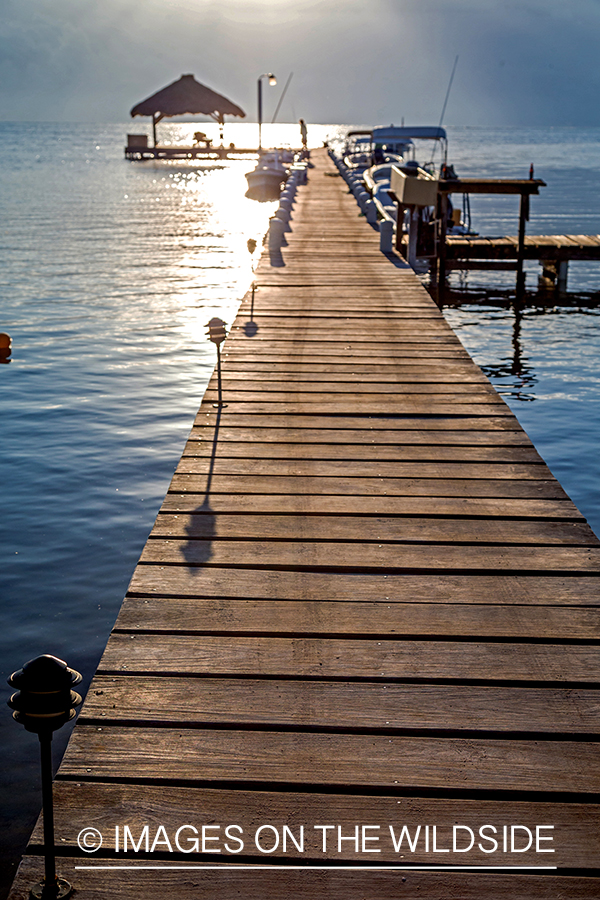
(398, 147)
(377, 180)
(265, 181)
(357, 150)
(391, 144)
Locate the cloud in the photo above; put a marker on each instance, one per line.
(529, 62)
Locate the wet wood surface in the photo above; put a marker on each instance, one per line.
(231, 880)
(365, 601)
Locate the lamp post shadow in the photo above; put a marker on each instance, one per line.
(202, 526)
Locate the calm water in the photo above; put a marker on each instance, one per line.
(108, 273)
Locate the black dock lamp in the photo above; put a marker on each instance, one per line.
(217, 334)
(43, 703)
(272, 81)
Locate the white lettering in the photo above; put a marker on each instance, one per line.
(194, 842)
(437, 849)
(324, 829)
(366, 838)
(405, 833)
(513, 848)
(206, 837)
(486, 838)
(232, 837)
(265, 849)
(342, 837)
(161, 840)
(287, 833)
(144, 837)
(457, 849)
(539, 837)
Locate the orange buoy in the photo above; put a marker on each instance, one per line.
(5, 343)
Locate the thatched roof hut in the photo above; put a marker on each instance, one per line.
(186, 97)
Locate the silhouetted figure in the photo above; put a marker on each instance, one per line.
(303, 134)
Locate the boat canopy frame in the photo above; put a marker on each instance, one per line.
(410, 133)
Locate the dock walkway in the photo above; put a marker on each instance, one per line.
(366, 603)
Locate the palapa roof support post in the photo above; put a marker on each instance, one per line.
(156, 117)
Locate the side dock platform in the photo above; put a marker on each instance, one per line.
(366, 605)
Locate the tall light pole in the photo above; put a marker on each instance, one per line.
(272, 80)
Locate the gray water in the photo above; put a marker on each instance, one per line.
(110, 270)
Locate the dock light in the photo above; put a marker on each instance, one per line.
(251, 244)
(272, 81)
(217, 334)
(43, 703)
(5, 347)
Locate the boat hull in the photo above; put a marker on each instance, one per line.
(265, 181)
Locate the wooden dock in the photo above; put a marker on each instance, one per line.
(181, 151)
(445, 252)
(366, 603)
(560, 247)
(552, 251)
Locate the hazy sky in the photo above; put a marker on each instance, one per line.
(521, 61)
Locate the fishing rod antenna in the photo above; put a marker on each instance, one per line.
(445, 102)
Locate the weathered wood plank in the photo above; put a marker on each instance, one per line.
(425, 338)
(201, 756)
(501, 589)
(283, 389)
(399, 374)
(356, 618)
(432, 333)
(346, 401)
(417, 452)
(385, 708)
(231, 882)
(345, 350)
(280, 316)
(209, 526)
(408, 375)
(361, 505)
(444, 373)
(585, 240)
(326, 302)
(351, 406)
(108, 805)
(344, 325)
(527, 489)
(350, 323)
(332, 468)
(350, 659)
(282, 351)
(388, 441)
(361, 556)
(371, 422)
(444, 369)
